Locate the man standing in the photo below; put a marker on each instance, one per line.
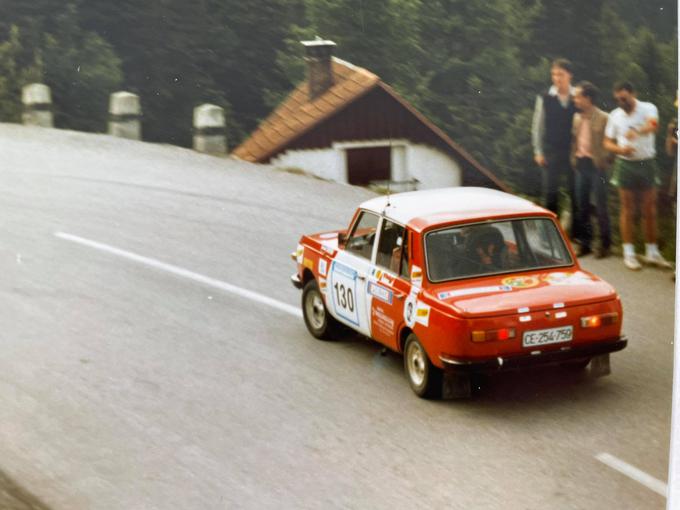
(671, 144)
(630, 134)
(551, 137)
(590, 160)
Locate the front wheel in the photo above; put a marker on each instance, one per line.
(317, 319)
(425, 378)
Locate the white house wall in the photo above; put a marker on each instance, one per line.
(325, 163)
(432, 168)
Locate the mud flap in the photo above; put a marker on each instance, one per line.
(599, 366)
(456, 386)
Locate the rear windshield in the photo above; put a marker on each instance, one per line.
(492, 248)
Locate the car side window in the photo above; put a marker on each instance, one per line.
(390, 246)
(404, 272)
(546, 243)
(361, 239)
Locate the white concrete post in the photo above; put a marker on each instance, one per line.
(125, 115)
(209, 129)
(37, 102)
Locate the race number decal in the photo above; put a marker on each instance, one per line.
(343, 291)
(410, 310)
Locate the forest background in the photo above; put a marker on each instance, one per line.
(473, 67)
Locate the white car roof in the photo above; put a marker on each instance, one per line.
(459, 201)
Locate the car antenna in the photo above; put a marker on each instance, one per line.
(389, 178)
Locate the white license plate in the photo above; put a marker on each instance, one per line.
(547, 336)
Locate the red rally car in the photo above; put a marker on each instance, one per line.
(461, 281)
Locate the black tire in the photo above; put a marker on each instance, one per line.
(317, 319)
(424, 378)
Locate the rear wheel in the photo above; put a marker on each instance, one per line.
(425, 379)
(317, 319)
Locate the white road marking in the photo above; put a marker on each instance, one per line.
(632, 472)
(184, 273)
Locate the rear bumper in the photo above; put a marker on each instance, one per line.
(567, 353)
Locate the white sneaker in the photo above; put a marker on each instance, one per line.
(631, 262)
(657, 260)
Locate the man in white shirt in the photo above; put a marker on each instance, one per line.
(630, 134)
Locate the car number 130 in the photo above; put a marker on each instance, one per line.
(343, 286)
(344, 297)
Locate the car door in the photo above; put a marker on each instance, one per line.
(388, 283)
(347, 280)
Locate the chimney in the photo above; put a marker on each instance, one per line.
(319, 69)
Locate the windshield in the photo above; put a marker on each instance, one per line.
(491, 248)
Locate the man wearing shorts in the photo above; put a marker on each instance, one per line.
(630, 134)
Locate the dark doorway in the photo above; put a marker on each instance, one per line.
(370, 164)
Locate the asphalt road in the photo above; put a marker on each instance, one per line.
(138, 383)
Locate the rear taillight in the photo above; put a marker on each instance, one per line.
(493, 335)
(603, 319)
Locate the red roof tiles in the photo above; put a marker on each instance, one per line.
(297, 114)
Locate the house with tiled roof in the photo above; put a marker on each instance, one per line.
(344, 124)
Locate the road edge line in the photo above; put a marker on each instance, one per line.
(185, 273)
(634, 473)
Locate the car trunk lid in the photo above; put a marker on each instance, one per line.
(511, 294)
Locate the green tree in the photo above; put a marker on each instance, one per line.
(10, 107)
(82, 70)
(380, 36)
(476, 85)
(45, 43)
(177, 55)
(660, 16)
(568, 30)
(165, 59)
(251, 74)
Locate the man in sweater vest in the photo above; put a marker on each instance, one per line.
(551, 138)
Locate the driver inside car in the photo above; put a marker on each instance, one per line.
(485, 250)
